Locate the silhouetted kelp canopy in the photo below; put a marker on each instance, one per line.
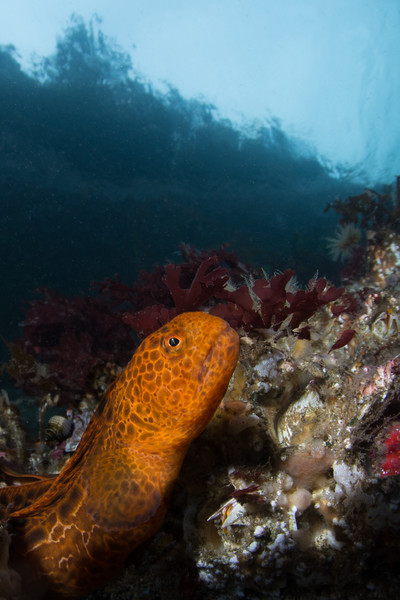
(100, 173)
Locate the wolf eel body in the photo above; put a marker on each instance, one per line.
(73, 533)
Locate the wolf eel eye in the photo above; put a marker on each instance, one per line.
(173, 342)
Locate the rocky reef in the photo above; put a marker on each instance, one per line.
(288, 493)
(293, 489)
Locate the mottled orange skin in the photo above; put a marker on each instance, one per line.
(77, 531)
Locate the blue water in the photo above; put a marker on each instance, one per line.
(100, 175)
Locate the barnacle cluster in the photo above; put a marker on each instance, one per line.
(311, 504)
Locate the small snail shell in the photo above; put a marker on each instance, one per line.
(58, 428)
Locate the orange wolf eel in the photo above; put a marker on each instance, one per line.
(74, 532)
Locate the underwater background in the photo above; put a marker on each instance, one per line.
(103, 173)
(127, 198)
